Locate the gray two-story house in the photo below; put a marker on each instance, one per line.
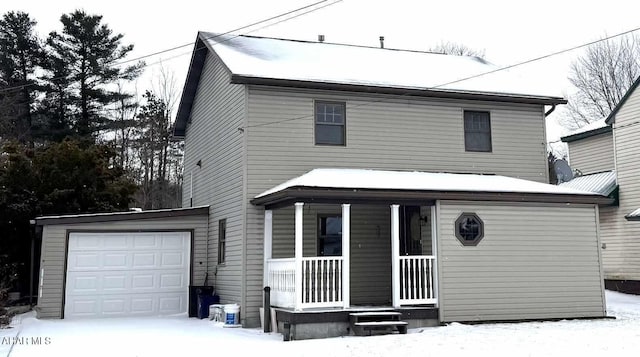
(605, 153)
(353, 179)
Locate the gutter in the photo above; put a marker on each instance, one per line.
(416, 92)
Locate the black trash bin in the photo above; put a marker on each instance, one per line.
(204, 301)
(194, 291)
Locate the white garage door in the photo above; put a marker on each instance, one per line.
(127, 274)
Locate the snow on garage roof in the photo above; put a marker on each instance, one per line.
(121, 216)
(261, 57)
(419, 181)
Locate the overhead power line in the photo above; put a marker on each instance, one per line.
(230, 31)
(463, 79)
(245, 33)
(297, 13)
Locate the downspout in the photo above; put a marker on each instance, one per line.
(553, 107)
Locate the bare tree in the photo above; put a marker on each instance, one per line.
(160, 159)
(458, 49)
(124, 114)
(601, 77)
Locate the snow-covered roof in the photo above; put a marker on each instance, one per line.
(418, 181)
(603, 183)
(127, 215)
(590, 129)
(261, 57)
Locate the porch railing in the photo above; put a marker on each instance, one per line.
(417, 279)
(281, 277)
(321, 282)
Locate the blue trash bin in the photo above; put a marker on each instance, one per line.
(204, 301)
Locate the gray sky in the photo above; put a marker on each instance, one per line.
(508, 31)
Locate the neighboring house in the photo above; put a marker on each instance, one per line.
(351, 178)
(607, 153)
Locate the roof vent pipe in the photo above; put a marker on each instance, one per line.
(320, 38)
(381, 41)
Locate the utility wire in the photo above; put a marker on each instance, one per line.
(311, 8)
(227, 32)
(539, 58)
(238, 35)
(461, 79)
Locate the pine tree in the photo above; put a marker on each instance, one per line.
(82, 65)
(21, 52)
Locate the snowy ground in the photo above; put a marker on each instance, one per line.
(178, 336)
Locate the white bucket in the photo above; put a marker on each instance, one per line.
(232, 314)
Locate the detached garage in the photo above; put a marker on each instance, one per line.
(121, 264)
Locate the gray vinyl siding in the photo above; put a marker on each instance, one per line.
(534, 262)
(592, 154)
(212, 137)
(54, 240)
(388, 133)
(383, 132)
(622, 238)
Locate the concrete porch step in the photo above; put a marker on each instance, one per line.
(364, 323)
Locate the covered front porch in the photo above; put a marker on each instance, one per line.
(332, 255)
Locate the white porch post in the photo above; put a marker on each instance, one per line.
(346, 254)
(298, 255)
(395, 255)
(268, 238)
(434, 249)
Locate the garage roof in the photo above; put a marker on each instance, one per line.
(121, 216)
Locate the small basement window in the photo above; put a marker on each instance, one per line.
(469, 228)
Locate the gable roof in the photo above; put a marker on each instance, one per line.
(592, 129)
(612, 116)
(323, 65)
(362, 184)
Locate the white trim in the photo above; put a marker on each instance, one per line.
(434, 250)
(615, 149)
(599, 243)
(438, 254)
(395, 255)
(298, 254)
(268, 243)
(346, 254)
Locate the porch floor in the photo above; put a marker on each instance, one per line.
(333, 322)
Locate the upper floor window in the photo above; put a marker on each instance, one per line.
(330, 128)
(477, 131)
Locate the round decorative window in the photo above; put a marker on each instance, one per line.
(469, 228)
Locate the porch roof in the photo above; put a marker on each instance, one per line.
(361, 185)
